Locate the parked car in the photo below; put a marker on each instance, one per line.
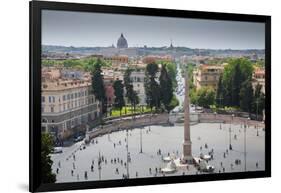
(57, 150)
(79, 138)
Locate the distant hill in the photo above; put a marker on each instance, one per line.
(46, 49)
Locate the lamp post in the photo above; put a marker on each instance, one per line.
(99, 166)
(230, 146)
(141, 140)
(127, 148)
(245, 145)
(150, 100)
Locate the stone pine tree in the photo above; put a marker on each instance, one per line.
(98, 85)
(166, 88)
(46, 162)
(119, 101)
(152, 88)
(246, 96)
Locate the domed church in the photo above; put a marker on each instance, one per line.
(122, 42)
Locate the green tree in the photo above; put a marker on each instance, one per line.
(166, 88)
(119, 95)
(259, 100)
(171, 68)
(127, 77)
(219, 93)
(152, 88)
(130, 94)
(246, 96)
(98, 85)
(205, 97)
(236, 85)
(135, 100)
(190, 69)
(173, 103)
(235, 73)
(46, 162)
(193, 96)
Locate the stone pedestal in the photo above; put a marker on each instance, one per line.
(187, 155)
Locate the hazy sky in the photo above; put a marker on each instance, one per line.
(96, 29)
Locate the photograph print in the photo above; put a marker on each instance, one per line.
(131, 96)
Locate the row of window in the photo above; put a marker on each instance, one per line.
(52, 99)
(70, 105)
(73, 122)
(137, 79)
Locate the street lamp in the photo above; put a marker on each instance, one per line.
(150, 99)
(230, 146)
(245, 145)
(127, 148)
(99, 166)
(141, 140)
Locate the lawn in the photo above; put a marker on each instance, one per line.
(128, 110)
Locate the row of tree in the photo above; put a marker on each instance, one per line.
(235, 87)
(159, 89)
(118, 86)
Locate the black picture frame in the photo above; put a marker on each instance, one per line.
(36, 8)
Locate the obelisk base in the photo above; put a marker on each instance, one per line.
(187, 156)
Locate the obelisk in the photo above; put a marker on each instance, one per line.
(187, 155)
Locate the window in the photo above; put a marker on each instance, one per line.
(52, 109)
(53, 99)
(50, 99)
(68, 96)
(43, 99)
(63, 98)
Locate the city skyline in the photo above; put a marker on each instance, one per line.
(80, 29)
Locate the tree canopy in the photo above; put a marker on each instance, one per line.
(235, 73)
(46, 163)
(119, 95)
(152, 89)
(205, 97)
(98, 85)
(166, 88)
